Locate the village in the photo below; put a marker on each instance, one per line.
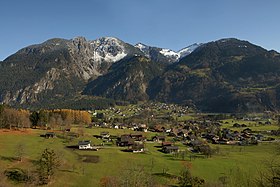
(164, 139)
(173, 125)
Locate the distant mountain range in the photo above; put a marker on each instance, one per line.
(228, 75)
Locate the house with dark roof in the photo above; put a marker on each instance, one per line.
(137, 148)
(170, 149)
(85, 144)
(158, 138)
(50, 135)
(125, 140)
(164, 144)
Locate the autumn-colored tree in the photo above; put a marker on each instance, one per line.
(85, 117)
(15, 118)
(23, 119)
(55, 119)
(9, 118)
(66, 117)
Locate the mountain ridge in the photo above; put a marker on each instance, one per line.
(227, 75)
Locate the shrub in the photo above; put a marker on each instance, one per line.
(16, 175)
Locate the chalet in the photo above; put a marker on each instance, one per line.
(123, 126)
(246, 135)
(191, 137)
(125, 140)
(50, 135)
(222, 141)
(230, 136)
(182, 133)
(105, 135)
(137, 137)
(143, 126)
(165, 144)
(158, 138)
(85, 144)
(143, 129)
(168, 130)
(137, 148)
(158, 128)
(259, 137)
(195, 143)
(211, 137)
(170, 149)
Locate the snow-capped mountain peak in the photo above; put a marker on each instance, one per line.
(188, 50)
(169, 53)
(141, 46)
(93, 57)
(108, 48)
(144, 48)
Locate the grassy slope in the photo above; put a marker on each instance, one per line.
(247, 159)
(76, 173)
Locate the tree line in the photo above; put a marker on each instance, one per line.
(19, 118)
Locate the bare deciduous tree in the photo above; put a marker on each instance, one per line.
(19, 151)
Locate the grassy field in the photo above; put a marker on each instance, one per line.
(247, 159)
(112, 161)
(255, 126)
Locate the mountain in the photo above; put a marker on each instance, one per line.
(227, 75)
(58, 68)
(165, 55)
(156, 54)
(127, 79)
(188, 50)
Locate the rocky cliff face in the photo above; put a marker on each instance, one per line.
(93, 58)
(127, 79)
(227, 75)
(46, 68)
(30, 93)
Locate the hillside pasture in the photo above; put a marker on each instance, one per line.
(87, 167)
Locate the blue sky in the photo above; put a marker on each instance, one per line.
(171, 24)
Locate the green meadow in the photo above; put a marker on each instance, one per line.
(112, 161)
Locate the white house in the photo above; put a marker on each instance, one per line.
(85, 144)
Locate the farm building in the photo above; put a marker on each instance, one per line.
(170, 149)
(85, 144)
(50, 135)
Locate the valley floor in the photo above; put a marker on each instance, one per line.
(234, 162)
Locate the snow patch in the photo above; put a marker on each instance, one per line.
(168, 52)
(119, 56)
(188, 50)
(142, 47)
